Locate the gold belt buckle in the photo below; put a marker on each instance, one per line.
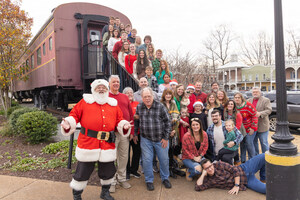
(100, 134)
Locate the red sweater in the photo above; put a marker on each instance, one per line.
(183, 130)
(125, 105)
(129, 60)
(248, 113)
(189, 150)
(238, 120)
(192, 101)
(117, 48)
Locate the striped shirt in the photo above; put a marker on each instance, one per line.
(154, 123)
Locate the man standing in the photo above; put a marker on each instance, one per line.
(155, 127)
(122, 143)
(147, 41)
(105, 28)
(199, 94)
(156, 61)
(217, 135)
(99, 115)
(224, 176)
(264, 109)
(143, 83)
(215, 87)
(132, 37)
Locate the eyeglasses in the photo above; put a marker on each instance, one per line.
(193, 119)
(209, 167)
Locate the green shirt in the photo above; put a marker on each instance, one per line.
(155, 65)
(230, 136)
(159, 77)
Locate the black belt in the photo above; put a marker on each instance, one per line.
(109, 137)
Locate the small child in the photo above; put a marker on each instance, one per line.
(184, 122)
(152, 81)
(198, 113)
(173, 84)
(227, 154)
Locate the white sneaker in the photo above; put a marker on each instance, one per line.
(112, 189)
(125, 185)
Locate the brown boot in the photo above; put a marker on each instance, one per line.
(187, 176)
(237, 163)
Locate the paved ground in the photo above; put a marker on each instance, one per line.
(18, 188)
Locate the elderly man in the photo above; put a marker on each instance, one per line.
(264, 109)
(215, 87)
(153, 121)
(122, 143)
(143, 83)
(224, 176)
(99, 115)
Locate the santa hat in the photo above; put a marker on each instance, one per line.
(173, 82)
(198, 102)
(190, 86)
(97, 82)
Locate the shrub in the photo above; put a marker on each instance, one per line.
(15, 115)
(12, 109)
(37, 126)
(7, 130)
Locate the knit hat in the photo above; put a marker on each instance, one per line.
(97, 82)
(190, 86)
(198, 102)
(173, 82)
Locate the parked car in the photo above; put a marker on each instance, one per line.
(293, 112)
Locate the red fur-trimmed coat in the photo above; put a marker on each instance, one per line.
(98, 117)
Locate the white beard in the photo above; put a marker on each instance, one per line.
(101, 98)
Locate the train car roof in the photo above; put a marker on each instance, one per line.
(80, 5)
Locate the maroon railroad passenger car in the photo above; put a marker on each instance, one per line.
(62, 59)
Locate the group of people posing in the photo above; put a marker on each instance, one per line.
(166, 121)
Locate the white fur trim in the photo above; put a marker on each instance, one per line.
(106, 182)
(198, 103)
(97, 82)
(87, 155)
(72, 122)
(88, 98)
(78, 185)
(120, 128)
(108, 155)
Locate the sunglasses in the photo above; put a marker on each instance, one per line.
(195, 119)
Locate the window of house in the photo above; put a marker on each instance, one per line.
(292, 74)
(250, 77)
(32, 61)
(256, 77)
(243, 78)
(50, 43)
(44, 49)
(264, 76)
(39, 56)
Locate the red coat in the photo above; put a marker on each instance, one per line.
(97, 117)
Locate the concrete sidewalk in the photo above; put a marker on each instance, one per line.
(19, 188)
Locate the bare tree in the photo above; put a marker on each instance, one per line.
(259, 50)
(293, 44)
(218, 44)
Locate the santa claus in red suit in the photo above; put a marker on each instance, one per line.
(99, 115)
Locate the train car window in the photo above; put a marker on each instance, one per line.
(94, 35)
(32, 61)
(27, 64)
(44, 49)
(23, 68)
(38, 56)
(50, 43)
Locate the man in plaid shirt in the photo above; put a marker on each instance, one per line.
(225, 176)
(153, 121)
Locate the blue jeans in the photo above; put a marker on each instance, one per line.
(190, 164)
(263, 139)
(147, 147)
(247, 144)
(255, 164)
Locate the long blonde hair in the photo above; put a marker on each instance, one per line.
(217, 104)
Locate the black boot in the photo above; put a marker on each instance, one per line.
(171, 173)
(105, 193)
(77, 194)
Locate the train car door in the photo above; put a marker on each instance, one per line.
(94, 50)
